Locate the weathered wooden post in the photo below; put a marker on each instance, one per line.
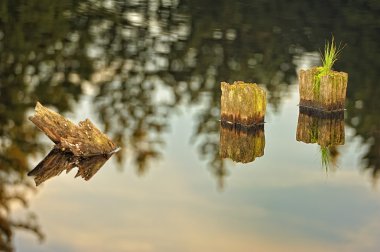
(322, 88)
(242, 103)
(327, 93)
(241, 144)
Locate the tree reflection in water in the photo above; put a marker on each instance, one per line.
(130, 54)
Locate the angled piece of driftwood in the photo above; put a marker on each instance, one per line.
(58, 161)
(82, 140)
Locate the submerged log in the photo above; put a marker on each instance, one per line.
(243, 103)
(325, 129)
(81, 140)
(241, 144)
(326, 93)
(58, 161)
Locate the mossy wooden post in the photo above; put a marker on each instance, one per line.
(242, 103)
(327, 93)
(241, 144)
(325, 129)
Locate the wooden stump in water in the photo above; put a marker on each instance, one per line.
(241, 144)
(325, 129)
(242, 103)
(326, 93)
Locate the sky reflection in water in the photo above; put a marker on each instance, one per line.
(283, 201)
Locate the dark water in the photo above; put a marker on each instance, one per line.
(148, 73)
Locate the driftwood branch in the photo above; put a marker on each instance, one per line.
(82, 140)
(82, 146)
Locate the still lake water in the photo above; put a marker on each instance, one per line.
(148, 73)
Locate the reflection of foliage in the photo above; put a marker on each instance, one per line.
(134, 53)
(130, 51)
(12, 191)
(33, 65)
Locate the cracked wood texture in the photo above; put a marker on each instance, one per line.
(83, 139)
(331, 94)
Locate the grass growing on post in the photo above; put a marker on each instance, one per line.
(329, 57)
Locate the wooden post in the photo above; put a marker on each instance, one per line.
(241, 144)
(325, 129)
(327, 93)
(243, 103)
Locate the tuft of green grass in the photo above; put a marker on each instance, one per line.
(329, 57)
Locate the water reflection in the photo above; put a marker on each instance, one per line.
(58, 161)
(241, 144)
(140, 60)
(323, 128)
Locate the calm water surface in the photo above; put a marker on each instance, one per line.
(148, 73)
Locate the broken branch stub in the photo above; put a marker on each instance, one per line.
(243, 103)
(82, 140)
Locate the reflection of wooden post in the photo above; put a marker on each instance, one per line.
(243, 103)
(326, 129)
(241, 144)
(328, 93)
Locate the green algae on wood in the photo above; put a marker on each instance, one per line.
(241, 144)
(83, 139)
(242, 103)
